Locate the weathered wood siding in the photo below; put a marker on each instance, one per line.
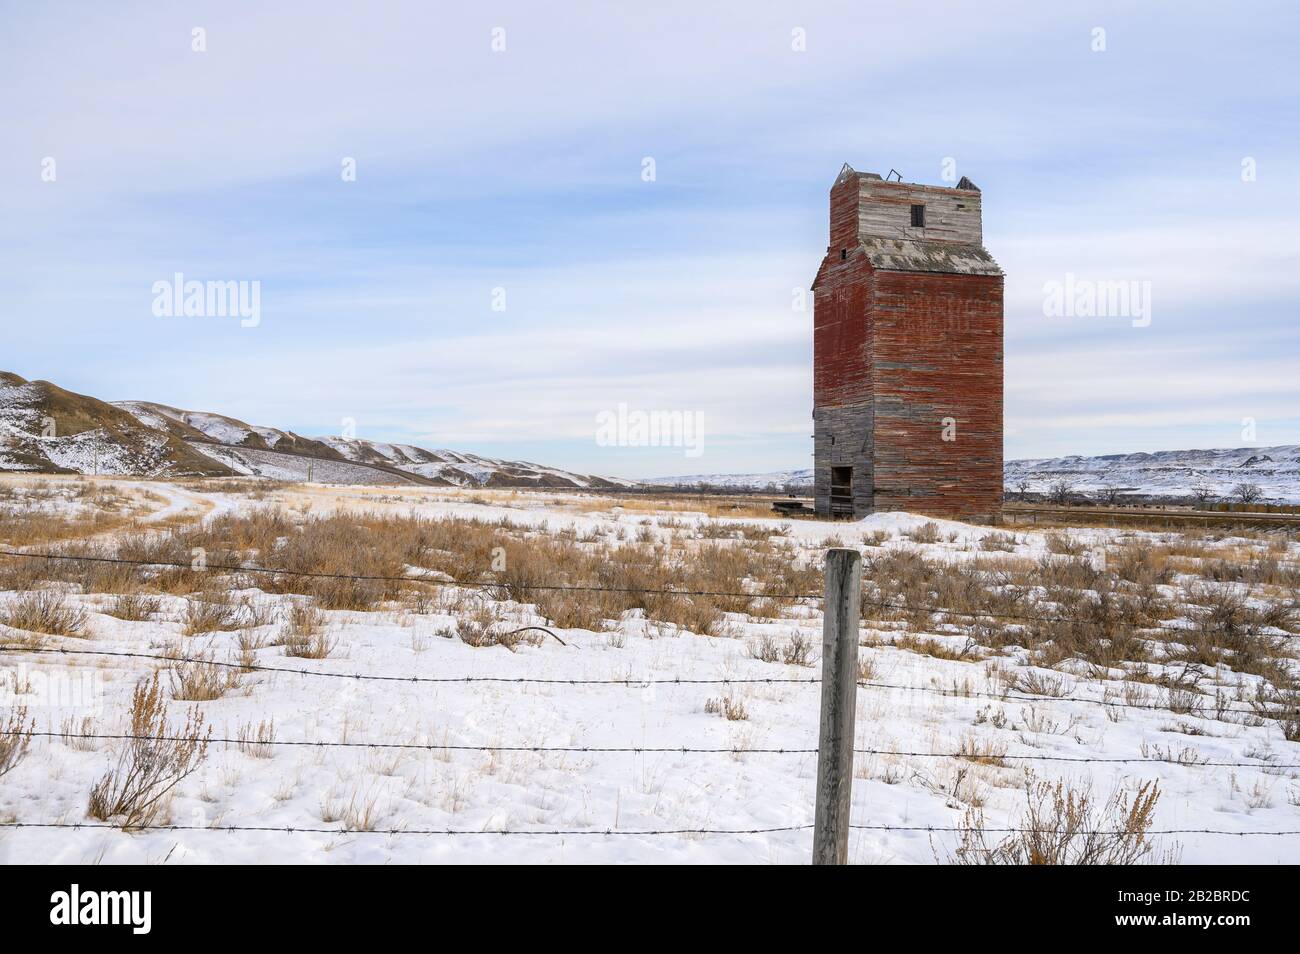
(842, 437)
(938, 354)
(907, 332)
(951, 215)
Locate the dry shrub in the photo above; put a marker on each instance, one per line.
(349, 546)
(100, 577)
(1230, 613)
(359, 813)
(251, 640)
(341, 593)
(1225, 633)
(765, 648)
(481, 628)
(46, 611)
(1067, 826)
(305, 635)
(156, 759)
(136, 607)
(1138, 563)
(420, 600)
(200, 679)
(1068, 575)
(252, 613)
(1102, 629)
(1289, 719)
(798, 651)
(934, 648)
(1256, 569)
(20, 574)
(15, 738)
(257, 740)
(1001, 542)
(74, 733)
(477, 629)
(511, 638)
(574, 609)
(1038, 683)
(32, 526)
(1062, 543)
(731, 708)
(208, 616)
(987, 752)
(694, 614)
(927, 532)
(1281, 705)
(866, 669)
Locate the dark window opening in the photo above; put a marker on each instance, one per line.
(918, 216)
(844, 253)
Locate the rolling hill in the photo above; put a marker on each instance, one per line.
(1159, 474)
(47, 429)
(1276, 470)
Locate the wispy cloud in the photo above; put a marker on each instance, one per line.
(521, 171)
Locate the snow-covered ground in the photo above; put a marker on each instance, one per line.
(274, 465)
(776, 480)
(1276, 470)
(603, 794)
(146, 439)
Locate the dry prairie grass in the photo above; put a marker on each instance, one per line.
(360, 812)
(257, 740)
(304, 634)
(1062, 543)
(795, 651)
(135, 607)
(983, 751)
(154, 761)
(1004, 542)
(731, 708)
(703, 577)
(925, 533)
(208, 616)
(1068, 826)
(1140, 564)
(716, 507)
(199, 679)
(25, 520)
(47, 612)
(15, 738)
(937, 649)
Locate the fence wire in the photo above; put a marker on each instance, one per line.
(626, 682)
(972, 754)
(585, 588)
(618, 832)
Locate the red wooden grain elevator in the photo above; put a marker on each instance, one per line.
(907, 353)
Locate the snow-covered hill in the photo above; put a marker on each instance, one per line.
(462, 469)
(1276, 470)
(776, 480)
(44, 428)
(47, 429)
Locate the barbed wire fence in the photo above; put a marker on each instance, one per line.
(505, 585)
(628, 682)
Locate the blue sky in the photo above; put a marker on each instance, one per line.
(522, 170)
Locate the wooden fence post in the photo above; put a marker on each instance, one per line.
(839, 692)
